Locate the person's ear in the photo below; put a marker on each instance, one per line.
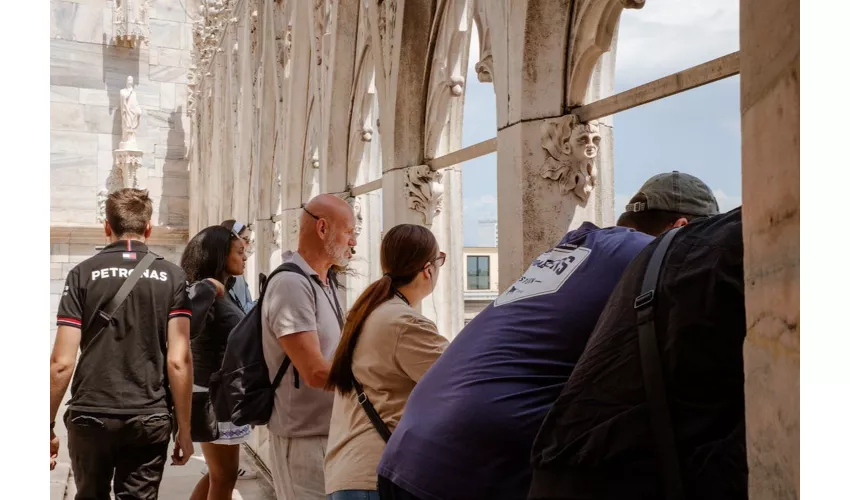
(148, 229)
(680, 222)
(107, 229)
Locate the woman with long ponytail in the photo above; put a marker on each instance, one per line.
(385, 349)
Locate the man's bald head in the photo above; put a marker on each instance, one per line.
(325, 206)
(327, 228)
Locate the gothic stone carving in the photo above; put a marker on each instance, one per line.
(591, 35)
(357, 208)
(130, 18)
(102, 196)
(484, 66)
(386, 30)
(447, 69)
(423, 189)
(571, 148)
(128, 163)
(277, 236)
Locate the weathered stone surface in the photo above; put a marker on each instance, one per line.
(80, 143)
(74, 21)
(167, 97)
(64, 94)
(770, 137)
(168, 10)
(75, 198)
(108, 142)
(169, 74)
(171, 57)
(72, 170)
(101, 119)
(97, 97)
(66, 116)
(175, 187)
(166, 34)
(170, 151)
(70, 159)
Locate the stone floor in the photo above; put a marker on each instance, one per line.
(177, 483)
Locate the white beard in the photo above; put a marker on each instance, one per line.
(337, 255)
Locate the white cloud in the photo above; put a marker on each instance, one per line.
(666, 36)
(725, 201)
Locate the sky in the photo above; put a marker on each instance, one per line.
(697, 132)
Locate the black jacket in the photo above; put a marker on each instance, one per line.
(212, 319)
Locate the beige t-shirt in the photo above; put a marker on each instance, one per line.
(289, 307)
(395, 349)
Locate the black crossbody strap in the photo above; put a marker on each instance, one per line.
(371, 412)
(111, 308)
(293, 268)
(653, 376)
(104, 315)
(362, 398)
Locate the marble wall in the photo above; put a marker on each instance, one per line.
(87, 71)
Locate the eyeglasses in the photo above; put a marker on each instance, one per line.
(440, 260)
(309, 213)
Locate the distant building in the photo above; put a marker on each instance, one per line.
(480, 279)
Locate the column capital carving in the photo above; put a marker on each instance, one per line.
(127, 163)
(571, 148)
(423, 189)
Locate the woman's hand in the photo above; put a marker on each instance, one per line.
(219, 288)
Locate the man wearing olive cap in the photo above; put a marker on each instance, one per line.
(469, 424)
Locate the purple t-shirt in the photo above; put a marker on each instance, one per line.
(470, 422)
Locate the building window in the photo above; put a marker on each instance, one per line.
(477, 272)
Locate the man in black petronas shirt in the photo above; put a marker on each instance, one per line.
(131, 370)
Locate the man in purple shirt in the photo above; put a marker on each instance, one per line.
(469, 425)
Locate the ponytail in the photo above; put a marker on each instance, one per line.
(341, 376)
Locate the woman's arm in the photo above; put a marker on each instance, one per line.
(202, 295)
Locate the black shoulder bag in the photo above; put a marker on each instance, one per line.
(362, 398)
(653, 376)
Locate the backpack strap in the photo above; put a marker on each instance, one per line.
(292, 268)
(106, 314)
(653, 376)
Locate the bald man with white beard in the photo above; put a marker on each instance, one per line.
(302, 317)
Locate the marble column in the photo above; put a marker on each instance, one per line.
(770, 141)
(553, 172)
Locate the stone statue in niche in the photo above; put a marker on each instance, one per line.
(130, 116)
(571, 148)
(128, 156)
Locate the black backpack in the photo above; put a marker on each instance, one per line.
(240, 391)
(654, 408)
